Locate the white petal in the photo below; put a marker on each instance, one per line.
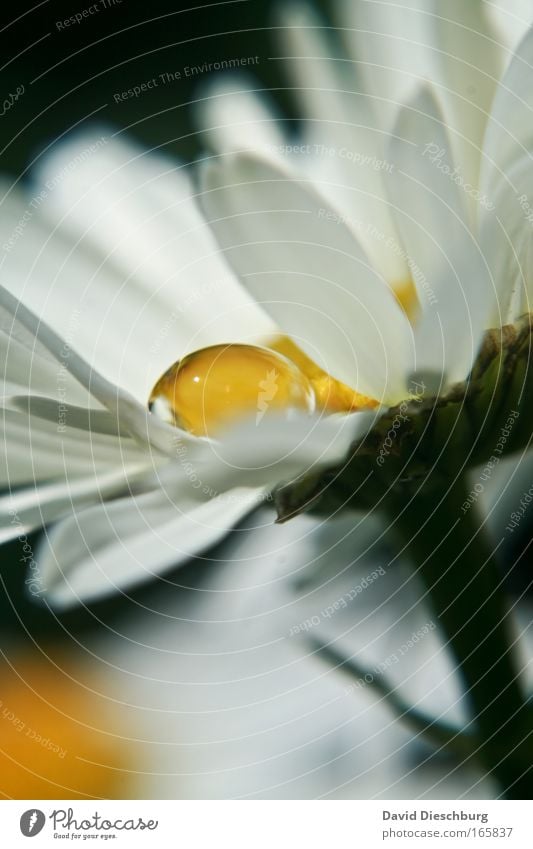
(506, 230)
(129, 413)
(235, 115)
(469, 62)
(306, 268)
(120, 545)
(508, 485)
(509, 135)
(402, 44)
(454, 286)
(391, 44)
(136, 210)
(343, 148)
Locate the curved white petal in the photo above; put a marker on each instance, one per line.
(276, 449)
(454, 286)
(327, 85)
(34, 450)
(307, 269)
(122, 544)
(28, 368)
(454, 46)
(88, 303)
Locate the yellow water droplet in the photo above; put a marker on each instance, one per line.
(211, 388)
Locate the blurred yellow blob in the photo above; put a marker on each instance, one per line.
(56, 738)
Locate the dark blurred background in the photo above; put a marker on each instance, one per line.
(71, 72)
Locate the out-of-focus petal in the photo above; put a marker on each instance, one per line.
(343, 146)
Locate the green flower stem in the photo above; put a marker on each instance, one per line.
(456, 563)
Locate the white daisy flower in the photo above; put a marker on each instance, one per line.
(369, 272)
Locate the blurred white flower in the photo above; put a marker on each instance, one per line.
(223, 696)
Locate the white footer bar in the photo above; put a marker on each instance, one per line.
(267, 824)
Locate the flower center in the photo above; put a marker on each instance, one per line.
(213, 387)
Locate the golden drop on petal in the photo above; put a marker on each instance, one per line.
(212, 388)
(332, 396)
